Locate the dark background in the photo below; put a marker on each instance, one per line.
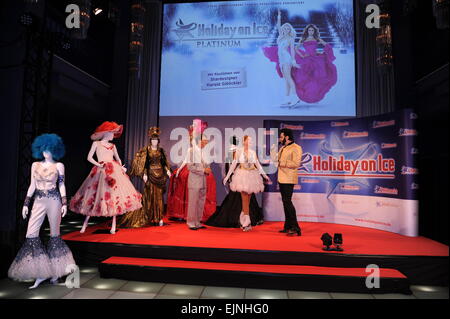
(89, 84)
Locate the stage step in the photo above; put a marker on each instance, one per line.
(285, 277)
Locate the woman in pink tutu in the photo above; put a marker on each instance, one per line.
(246, 179)
(107, 191)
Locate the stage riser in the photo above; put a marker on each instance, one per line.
(420, 270)
(251, 279)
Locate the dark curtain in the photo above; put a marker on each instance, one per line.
(143, 86)
(375, 88)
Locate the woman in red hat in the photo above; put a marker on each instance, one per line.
(107, 191)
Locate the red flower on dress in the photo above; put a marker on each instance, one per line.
(119, 209)
(93, 171)
(128, 204)
(91, 201)
(109, 168)
(107, 196)
(95, 186)
(110, 205)
(110, 181)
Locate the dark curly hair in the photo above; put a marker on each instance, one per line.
(48, 142)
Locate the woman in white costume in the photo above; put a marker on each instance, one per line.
(246, 179)
(286, 58)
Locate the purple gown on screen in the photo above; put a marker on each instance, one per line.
(317, 73)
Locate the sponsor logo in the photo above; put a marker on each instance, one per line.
(413, 116)
(349, 134)
(309, 136)
(407, 132)
(292, 127)
(349, 202)
(409, 170)
(388, 145)
(309, 181)
(386, 204)
(350, 187)
(378, 124)
(375, 222)
(385, 190)
(414, 186)
(297, 187)
(338, 124)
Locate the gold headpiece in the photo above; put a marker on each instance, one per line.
(154, 132)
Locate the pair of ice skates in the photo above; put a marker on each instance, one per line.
(291, 101)
(245, 222)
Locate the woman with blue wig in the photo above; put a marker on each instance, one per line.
(34, 261)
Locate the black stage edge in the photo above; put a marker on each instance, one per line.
(225, 278)
(420, 270)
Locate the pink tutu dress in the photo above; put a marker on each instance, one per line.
(317, 73)
(107, 191)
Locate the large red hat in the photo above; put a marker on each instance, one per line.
(106, 127)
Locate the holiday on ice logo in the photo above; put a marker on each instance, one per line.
(339, 166)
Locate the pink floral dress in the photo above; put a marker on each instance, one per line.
(107, 191)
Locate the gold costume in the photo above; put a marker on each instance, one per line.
(154, 164)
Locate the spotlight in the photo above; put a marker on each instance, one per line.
(97, 11)
(327, 241)
(338, 241)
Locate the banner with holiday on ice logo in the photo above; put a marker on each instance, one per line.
(360, 172)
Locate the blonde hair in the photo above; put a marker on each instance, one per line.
(292, 33)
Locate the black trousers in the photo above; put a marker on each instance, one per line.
(290, 214)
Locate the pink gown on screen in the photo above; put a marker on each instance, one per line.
(317, 73)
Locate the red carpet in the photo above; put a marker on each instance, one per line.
(357, 240)
(277, 269)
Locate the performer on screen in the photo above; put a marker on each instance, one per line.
(228, 214)
(107, 191)
(288, 160)
(246, 179)
(285, 58)
(317, 74)
(313, 74)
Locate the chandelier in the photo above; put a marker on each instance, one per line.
(384, 38)
(440, 12)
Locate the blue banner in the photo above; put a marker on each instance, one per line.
(374, 156)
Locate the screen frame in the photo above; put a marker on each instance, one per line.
(304, 117)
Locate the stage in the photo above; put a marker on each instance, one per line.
(263, 257)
